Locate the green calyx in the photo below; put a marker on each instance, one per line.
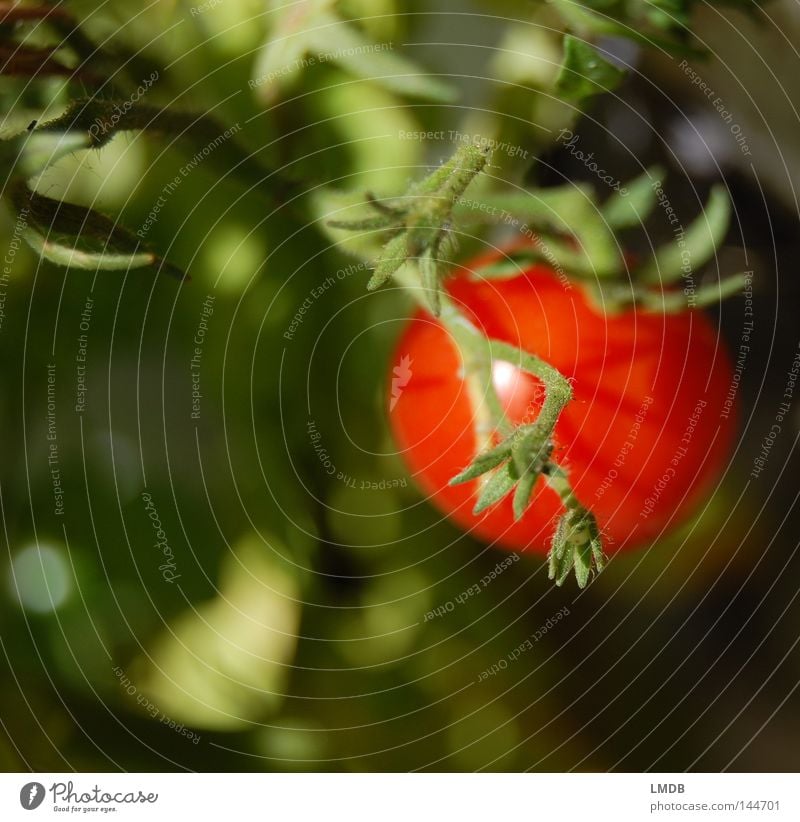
(418, 224)
(519, 460)
(577, 548)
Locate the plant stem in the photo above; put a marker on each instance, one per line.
(558, 391)
(558, 480)
(478, 354)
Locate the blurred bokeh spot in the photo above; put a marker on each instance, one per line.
(224, 663)
(39, 578)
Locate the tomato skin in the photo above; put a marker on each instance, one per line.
(644, 439)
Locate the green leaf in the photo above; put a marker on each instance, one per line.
(584, 72)
(311, 34)
(541, 208)
(633, 204)
(676, 302)
(606, 6)
(84, 254)
(695, 247)
(342, 43)
(79, 237)
(714, 293)
(283, 58)
(568, 210)
(498, 485)
(583, 17)
(38, 150)
(668, 14)
(100, 120)
(510, 265)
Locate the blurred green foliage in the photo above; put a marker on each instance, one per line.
(298, 634)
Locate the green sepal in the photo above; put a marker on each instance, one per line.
(496, 487)
(522, 493)
(394, 254)
(531, 451)
(483, 463)
(577, 548)
(365, 224)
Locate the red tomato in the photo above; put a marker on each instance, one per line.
(644, 440)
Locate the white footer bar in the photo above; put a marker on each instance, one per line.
(402, 797)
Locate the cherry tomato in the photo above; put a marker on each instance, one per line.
(644, 440)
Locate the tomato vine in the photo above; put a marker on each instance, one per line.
(418, 230)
